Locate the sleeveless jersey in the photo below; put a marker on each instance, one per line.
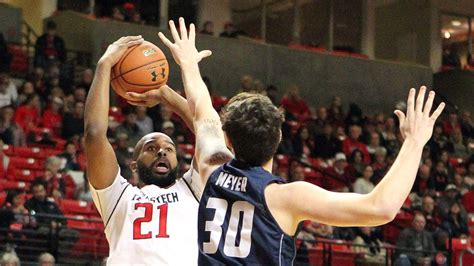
(235, 225)
(150, 225)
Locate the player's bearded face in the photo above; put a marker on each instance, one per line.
(155, 174)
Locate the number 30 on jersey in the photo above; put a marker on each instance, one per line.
(215, 228)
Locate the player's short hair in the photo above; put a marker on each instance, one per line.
(253, 125)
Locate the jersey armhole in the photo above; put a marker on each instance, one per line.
(269, 213)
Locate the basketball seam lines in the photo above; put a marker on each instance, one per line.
(135, 69)
(125, 57)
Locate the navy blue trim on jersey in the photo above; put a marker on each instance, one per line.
(235, 225)
(113, 210)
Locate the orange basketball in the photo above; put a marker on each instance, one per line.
(142, 67)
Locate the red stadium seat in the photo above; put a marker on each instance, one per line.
(282, 160)
(23, 175)
(9, 150)
(187, 148)
(7, 184)
(3, 198)
(76, 207)
(30, 152)
(19, 63)
(468, 201)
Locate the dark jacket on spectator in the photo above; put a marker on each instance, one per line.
(409, 237)
(455, 230)
(45, 207)
(41, 56)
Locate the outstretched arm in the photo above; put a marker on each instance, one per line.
(211, 150)
(307, 201)
(102, 166)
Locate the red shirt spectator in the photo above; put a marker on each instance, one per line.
(450, 124)
(27, 116)
(336, 177)
(52, 117)
(352, 142)
(294, 104)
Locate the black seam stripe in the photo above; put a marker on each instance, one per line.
(189, 187)
(108, 220)
(137, 68)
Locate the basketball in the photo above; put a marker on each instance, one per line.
(142, 67)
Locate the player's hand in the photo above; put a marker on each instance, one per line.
(115, 51)
(418, 124)
(184, 49)
(147, 99)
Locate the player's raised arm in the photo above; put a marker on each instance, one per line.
(306, 201)
(211, 150)
(102, 166)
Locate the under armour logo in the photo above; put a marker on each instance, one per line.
(154, 76)
(163, 73)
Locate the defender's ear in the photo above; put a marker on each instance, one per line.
(134, 166)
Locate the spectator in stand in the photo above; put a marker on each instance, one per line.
(272, 93)
(419, 242)
(372, 252)
(80, 94)
(73, 123)
(422, 179)
(451, 195)
(374, 144)
(462, 184)
(297, 174)
(440, 178)
(5, 56)
(4, 161)
(379, 165)
(10, 259)
(54, 182)
(27, 116)
(326, 144)
(303, 144)
(230, 31)
(336, 177)
(316, 125)
(451, 123)
(117, 14)
(467, 125)
(46, 259)
(208, 28)
(124, 154)
(352, 143)
(49, 48)
(247, 83)
(84, 192)
(129, 127)
(55, 222)
(52, 116)
(295, 104)
(14, 214)
(38, 79)
(26, 90)
(455, 224)
(433, 220)
(10, 132)
(335, 112)
(354, 115)
(356, 165)
(86, 79)
(8, 90)
(144, 122)
(136, 17)
(363, 185)
(70, 155)
(456, 145)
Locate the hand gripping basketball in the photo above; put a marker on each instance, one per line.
(115, 51)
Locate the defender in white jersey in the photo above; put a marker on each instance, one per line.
(155, 223)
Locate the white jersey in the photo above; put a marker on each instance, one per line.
(151, 225)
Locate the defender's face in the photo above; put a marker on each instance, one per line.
(157, 162)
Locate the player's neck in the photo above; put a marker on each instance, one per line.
(268, 166)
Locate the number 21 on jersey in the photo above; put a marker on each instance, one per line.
(148, 217)
(241, 214)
